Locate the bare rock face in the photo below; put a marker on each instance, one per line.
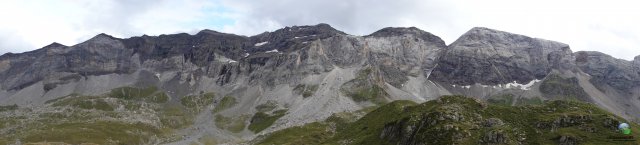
(608, 71)
(493, 57)
(402, 52)
(636, 63)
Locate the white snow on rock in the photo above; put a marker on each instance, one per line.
(261, 43)
(304, 36)
(272, 51)
(514, 85)
(246, 54)
(522, 86)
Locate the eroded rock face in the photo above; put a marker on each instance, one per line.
(402, 52)
(493, 57)
(608, 71)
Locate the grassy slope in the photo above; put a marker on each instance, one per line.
(96, 119)
(460, 120)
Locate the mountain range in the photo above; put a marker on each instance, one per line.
(215, 87)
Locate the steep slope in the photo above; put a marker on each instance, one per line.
(462, 120)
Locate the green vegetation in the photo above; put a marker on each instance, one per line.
(150, 94)
(529, 101)
(506, 99)
(83, 102)
(197, 102)
(100, 132)
(305, 90)
(175, 117)
(234, 125)
(362, 89)
(462, 120)
(555, 86)
(8, 108)
(225, 103)
(261, 120)
(313, 133)
(374, 94)
(207, 140)
(266, 107)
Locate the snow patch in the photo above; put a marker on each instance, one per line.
(513, 84)
(261, 43)
(246, 54)
(272, 51)
(304, 36)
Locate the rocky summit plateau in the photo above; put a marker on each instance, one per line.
(317, 85)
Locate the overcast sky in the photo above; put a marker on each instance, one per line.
(610, 26)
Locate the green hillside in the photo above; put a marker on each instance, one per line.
(463, 120)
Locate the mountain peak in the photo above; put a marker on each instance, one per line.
(102, 37)
(396, 31)
(208, 31)
(400, 31)
(318, 29)
(55, 44)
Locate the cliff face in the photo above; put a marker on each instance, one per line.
(303, 74)
(492, 57)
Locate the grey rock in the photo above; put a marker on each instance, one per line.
(493, 122)
(494, 57)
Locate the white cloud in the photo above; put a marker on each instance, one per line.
(607, 26)
(31, 24)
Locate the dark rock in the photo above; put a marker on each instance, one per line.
(493, 122)
(494, 137)
(568, 140)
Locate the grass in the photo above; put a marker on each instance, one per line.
(101, 132)
(558, 87)
(362, 89)
(197, 102)
(83, 102)
(225, 103)
(8, 108)
(313, 133)
(529, 101)
(305, 90)
(506, 99)
(175, 117)
(266, 107)
(461, 120)
(235, 125)
(374, 94)
(149, 94)
(261, 120)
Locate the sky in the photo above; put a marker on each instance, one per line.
(611, 26)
